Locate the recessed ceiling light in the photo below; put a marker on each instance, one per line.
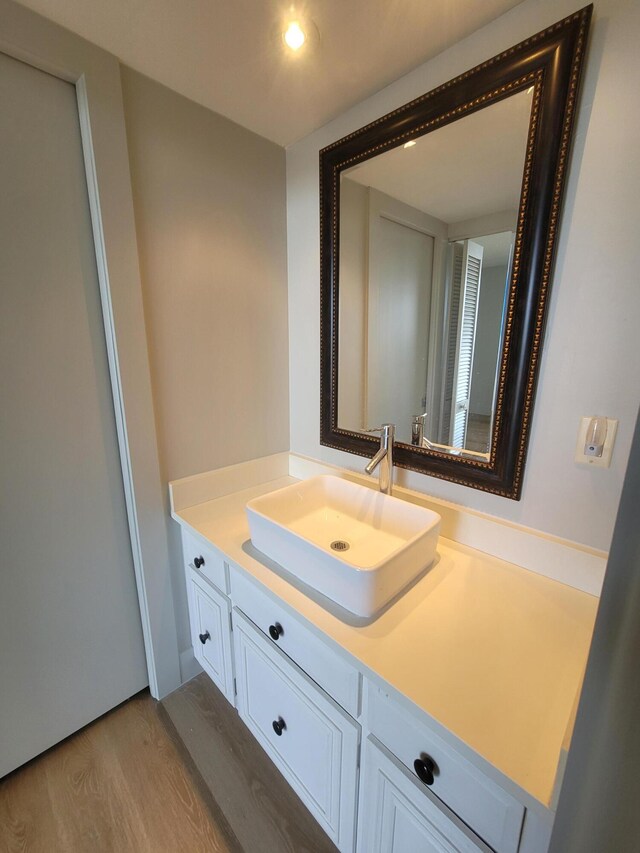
(294, 36)
(409, 144)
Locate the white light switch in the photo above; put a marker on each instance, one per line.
(582, 450)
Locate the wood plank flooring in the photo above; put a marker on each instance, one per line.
(263, 810)
(120, 784)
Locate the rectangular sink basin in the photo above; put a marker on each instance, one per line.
(356, 546)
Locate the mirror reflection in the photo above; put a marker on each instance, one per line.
(426, 242)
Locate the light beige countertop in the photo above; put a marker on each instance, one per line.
(491, 651)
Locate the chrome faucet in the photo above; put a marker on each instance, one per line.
(384, 457)
(418, 437)
(418, 427)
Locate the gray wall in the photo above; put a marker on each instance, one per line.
(598, 809)
(209, 200)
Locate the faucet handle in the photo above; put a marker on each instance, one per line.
(387, 433)
(383, 428)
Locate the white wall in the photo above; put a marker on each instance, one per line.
(591, 356)
(209, 199)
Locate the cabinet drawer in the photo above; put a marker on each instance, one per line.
(205, 559)
(327, 668)
(397, 814)
(209, 617)
(311, 740)
(483, 805)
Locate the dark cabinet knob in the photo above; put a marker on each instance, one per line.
(279, 726)
(198, 562)
(275, 631)
(425, 768)
(204, 637)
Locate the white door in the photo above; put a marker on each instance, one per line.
(398, 325)
(71, 642)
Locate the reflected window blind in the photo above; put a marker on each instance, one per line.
(466, 344)
(452, 341)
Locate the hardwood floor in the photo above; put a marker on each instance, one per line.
(120, 784)
(263, 810)
(149, 777)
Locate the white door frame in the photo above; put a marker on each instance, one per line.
(95, 74)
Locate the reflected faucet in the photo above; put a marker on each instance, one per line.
(384, 457)
(418, 437)
(418, 428)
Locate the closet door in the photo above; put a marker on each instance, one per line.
(71, 642)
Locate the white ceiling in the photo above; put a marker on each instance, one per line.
(463, 170)
(224, 55)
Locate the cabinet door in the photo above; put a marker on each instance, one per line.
(495, 815)
(309, 737)
(209, 615)
(397, 816)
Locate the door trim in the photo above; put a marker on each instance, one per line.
(28, 37)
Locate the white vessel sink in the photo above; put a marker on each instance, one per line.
(356, 546)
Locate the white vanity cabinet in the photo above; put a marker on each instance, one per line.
(303, 728)
(397, 815)
(206, 577)
(307, 735)
(209, 617)
(377, 773)
(494, 814)
(340, 679)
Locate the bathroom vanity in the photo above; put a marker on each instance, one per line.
(442, 724)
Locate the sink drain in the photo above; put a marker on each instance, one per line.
(340, 545)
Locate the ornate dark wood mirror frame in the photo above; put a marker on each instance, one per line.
(550, 61)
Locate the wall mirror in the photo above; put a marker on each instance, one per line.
(438, 224)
